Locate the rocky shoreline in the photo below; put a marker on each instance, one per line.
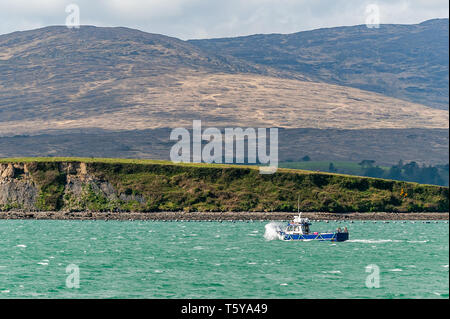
(210, 216)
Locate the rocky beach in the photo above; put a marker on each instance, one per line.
(214, 216)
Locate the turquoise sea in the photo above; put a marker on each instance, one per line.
(146, 259)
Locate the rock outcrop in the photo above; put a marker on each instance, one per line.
(22, 188)
(17, 189)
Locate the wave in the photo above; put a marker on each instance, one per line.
(372, 241)
(332, 272)
(381, 241)
(272, 230)
(445, 295)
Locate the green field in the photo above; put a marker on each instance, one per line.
(351, 168)
(410, 172)
(146, 185)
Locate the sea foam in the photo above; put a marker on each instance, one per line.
(271, 232)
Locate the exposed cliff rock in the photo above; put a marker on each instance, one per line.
(50, 186)
(17, 190)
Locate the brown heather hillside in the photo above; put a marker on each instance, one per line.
(230, 100)
(126, 79)
(118, 91)
(409, 62)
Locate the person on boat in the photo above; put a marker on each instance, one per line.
(345, 229)
(306, 229)
(339, 229)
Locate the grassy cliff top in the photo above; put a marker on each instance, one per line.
(152, 185)
(163, 162)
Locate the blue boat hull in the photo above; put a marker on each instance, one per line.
(320, 237)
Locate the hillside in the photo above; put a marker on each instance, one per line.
(56, 73)
(226, 100)
(117, 92)
(42, 184)
(385, 146)
(58, 78)
(409, 62)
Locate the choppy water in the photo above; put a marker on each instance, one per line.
(123, 259)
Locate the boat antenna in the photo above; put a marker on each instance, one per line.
(298, 206)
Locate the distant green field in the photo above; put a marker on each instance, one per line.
(351, 168)
(410, 172)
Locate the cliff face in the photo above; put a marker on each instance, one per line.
(120, 186)
(34, 186)
(15, 190)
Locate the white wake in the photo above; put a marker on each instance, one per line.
(373, 241)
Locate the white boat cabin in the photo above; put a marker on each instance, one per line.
(298, 226)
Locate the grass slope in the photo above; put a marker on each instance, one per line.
(148, 185)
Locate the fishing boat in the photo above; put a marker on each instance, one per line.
(298, 229)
